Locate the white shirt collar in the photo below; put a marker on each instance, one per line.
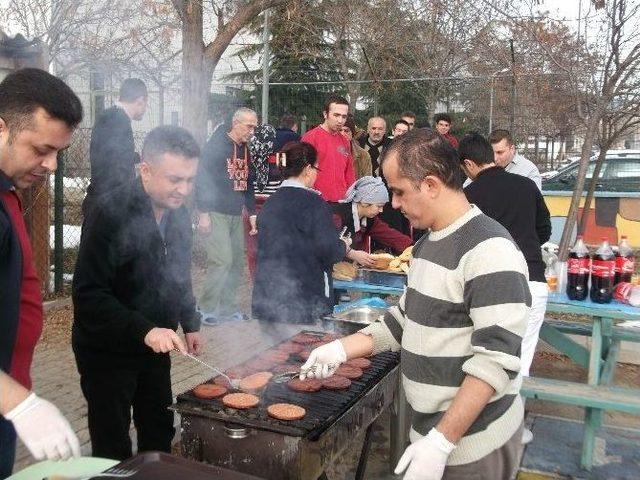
(356, 218)
(292, 182)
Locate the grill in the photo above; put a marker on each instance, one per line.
(250, 441)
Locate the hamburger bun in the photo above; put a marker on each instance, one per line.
(406, 255)
(382, 260)
(344, 271)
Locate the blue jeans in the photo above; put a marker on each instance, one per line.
(7, 448)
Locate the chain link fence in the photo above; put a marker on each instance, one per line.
(540, 118)
(67, 189)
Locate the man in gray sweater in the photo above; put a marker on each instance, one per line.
(459, 323)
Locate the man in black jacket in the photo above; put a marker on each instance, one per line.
(375, 141)
(515, 202)
(131, 291)
(112, 152)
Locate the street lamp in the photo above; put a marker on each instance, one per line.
(493, 78)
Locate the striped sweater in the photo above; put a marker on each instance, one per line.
(463, 313)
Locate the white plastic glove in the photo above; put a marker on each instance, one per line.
(324, 361)
(43, 429)
(425, 458)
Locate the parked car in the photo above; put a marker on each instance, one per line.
(620, 172)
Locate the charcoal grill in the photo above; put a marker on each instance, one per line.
(250, 441)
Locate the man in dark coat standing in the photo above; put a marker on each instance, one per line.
(131, 291)
(112, 151)
(375, 141)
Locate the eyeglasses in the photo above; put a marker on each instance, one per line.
(315, 167)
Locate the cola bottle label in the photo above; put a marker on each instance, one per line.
(622, 292)
(603, 268)
(625, 265)
(578, 265)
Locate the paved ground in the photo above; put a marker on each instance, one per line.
(55, 378)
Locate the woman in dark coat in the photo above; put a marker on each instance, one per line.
(297, 245)
(359, 213)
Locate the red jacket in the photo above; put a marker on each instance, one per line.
(374, 228)
(453, 141)
(335, 162)
(20, 299)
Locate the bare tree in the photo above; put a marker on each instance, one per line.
(76, 33)
(615, 124)
(200, 57)
(610, 89)
(613, 77)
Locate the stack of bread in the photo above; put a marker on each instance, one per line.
(384, 261)
(401, 262)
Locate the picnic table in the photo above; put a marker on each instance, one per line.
(600, 360)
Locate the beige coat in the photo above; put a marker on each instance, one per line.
(361, 160)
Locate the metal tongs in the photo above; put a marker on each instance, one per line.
(235, 383)
(286, 376)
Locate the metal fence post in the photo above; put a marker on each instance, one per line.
(58, 226)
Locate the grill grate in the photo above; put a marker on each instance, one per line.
(323, 407)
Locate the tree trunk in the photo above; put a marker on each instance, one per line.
(546, 150)
(567, 232)
(200, 61)
(160, 104)
(195, 85)
(561, 150)
(582, 225)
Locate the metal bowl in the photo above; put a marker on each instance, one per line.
(362, 315)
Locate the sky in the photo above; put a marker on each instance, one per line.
(559, 9)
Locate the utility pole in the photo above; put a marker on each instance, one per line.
(491, 95)
(265, 69)
(512, 120)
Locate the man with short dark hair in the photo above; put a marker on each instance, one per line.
(505, 154)
(400, 128)
(443, 123)
(459, 335)
(131, 291)
(38, 114)
(410, 118)
(286, 132)
(375, 141)
(515, 202)
(224, 188)
(112, 151)
(335, 162)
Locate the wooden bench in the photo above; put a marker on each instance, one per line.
(594, 396)
(628, 334)
(599, 358)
